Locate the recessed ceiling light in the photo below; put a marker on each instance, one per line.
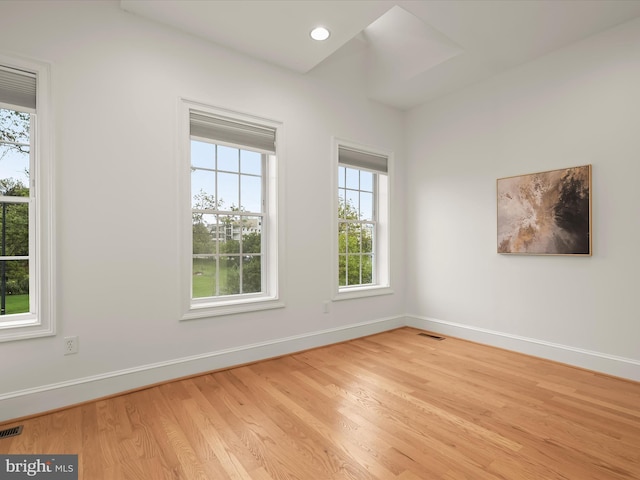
(319, 33)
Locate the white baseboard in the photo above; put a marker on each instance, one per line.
(36, 400)
(58, 395)
(596, 361)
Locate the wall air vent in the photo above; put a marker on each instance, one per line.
(11, 432)
(430, 335)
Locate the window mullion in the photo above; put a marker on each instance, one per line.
(360, 255)
(10, 199)
(240, 226)
(14, 144)
(216, 196)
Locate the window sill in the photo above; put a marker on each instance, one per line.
(25, 328)
(347, 293)
(231, 307)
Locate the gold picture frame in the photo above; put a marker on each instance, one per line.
(545, 213)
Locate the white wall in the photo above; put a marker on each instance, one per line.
(116, 80)
(577, 106)
(116, 83)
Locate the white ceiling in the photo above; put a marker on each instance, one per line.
(407, 51)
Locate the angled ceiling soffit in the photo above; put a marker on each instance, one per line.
(402, 47)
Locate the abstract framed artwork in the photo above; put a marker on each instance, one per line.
(546, 213)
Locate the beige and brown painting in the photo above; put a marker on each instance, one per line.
(547, 213)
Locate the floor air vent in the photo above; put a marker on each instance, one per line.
(430, 335)
(11, 432)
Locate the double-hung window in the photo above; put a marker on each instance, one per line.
(233, 231)
(362, 221)
(26, 296)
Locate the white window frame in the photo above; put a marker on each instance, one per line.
(41, 320)
(382, 243)
(272, 295)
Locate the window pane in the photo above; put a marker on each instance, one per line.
(366, 181)
(228, 158)
(252, 235)
(203, 195)
(354, 243)
(14, 170)
(251, 274)
(14, 126)
(205, 232)
(228, 191)
(229, 234)
(367, 239)
(229, 275)
(342, 206)
(366, 206)
(353, 200)
(341, 177)
(250, 162)
(204, 277)
(14, 286)
(352, 240)
(367, 269)
(348, 237)
(342, 237)
(353, 270)
(251, 193)
(203, 154)
(14, 229)
(353, 178)
(342, 270)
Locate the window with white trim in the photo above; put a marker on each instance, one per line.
(362, 221)
(26, 258)
(233, 228)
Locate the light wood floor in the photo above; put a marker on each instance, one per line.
(392, 406)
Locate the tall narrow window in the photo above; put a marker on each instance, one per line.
(233, 244)
(362, 221)
(25, 204)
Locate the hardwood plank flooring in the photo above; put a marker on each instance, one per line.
(393, 406)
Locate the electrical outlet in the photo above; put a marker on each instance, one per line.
(70, 345)
(325, 306)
